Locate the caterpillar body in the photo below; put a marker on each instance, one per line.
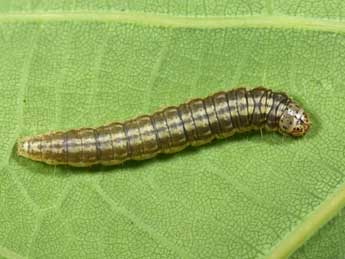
(169, 130)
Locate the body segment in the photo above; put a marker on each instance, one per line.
(170, 130)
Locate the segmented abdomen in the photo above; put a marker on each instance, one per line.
(169, 130)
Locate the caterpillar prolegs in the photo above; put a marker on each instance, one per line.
(170, 130)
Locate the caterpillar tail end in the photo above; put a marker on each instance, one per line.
(22, 147)
(29, 148)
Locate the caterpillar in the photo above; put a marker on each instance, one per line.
(170, 130)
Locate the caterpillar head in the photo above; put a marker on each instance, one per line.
(294, 121)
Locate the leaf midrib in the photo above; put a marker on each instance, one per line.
(327, 210)
(197, 22)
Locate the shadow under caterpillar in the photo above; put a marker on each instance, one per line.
(169, 130)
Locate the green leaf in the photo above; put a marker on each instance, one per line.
(69, 64)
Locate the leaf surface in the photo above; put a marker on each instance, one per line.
(70, 64)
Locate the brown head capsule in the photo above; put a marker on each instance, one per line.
(170, 130)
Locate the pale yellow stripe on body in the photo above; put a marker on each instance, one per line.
(134, 139)
(148, 136)
(163, 134)
(105, 143)
(176, 129)
(188, 122)
(268, 103)
(221, 106)
(89, 151)
(74, 145)
(212, 116)
(242, 108)
(234, 113)
(250, 106)
(58, 147)
(201, 122)
(119, 141)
